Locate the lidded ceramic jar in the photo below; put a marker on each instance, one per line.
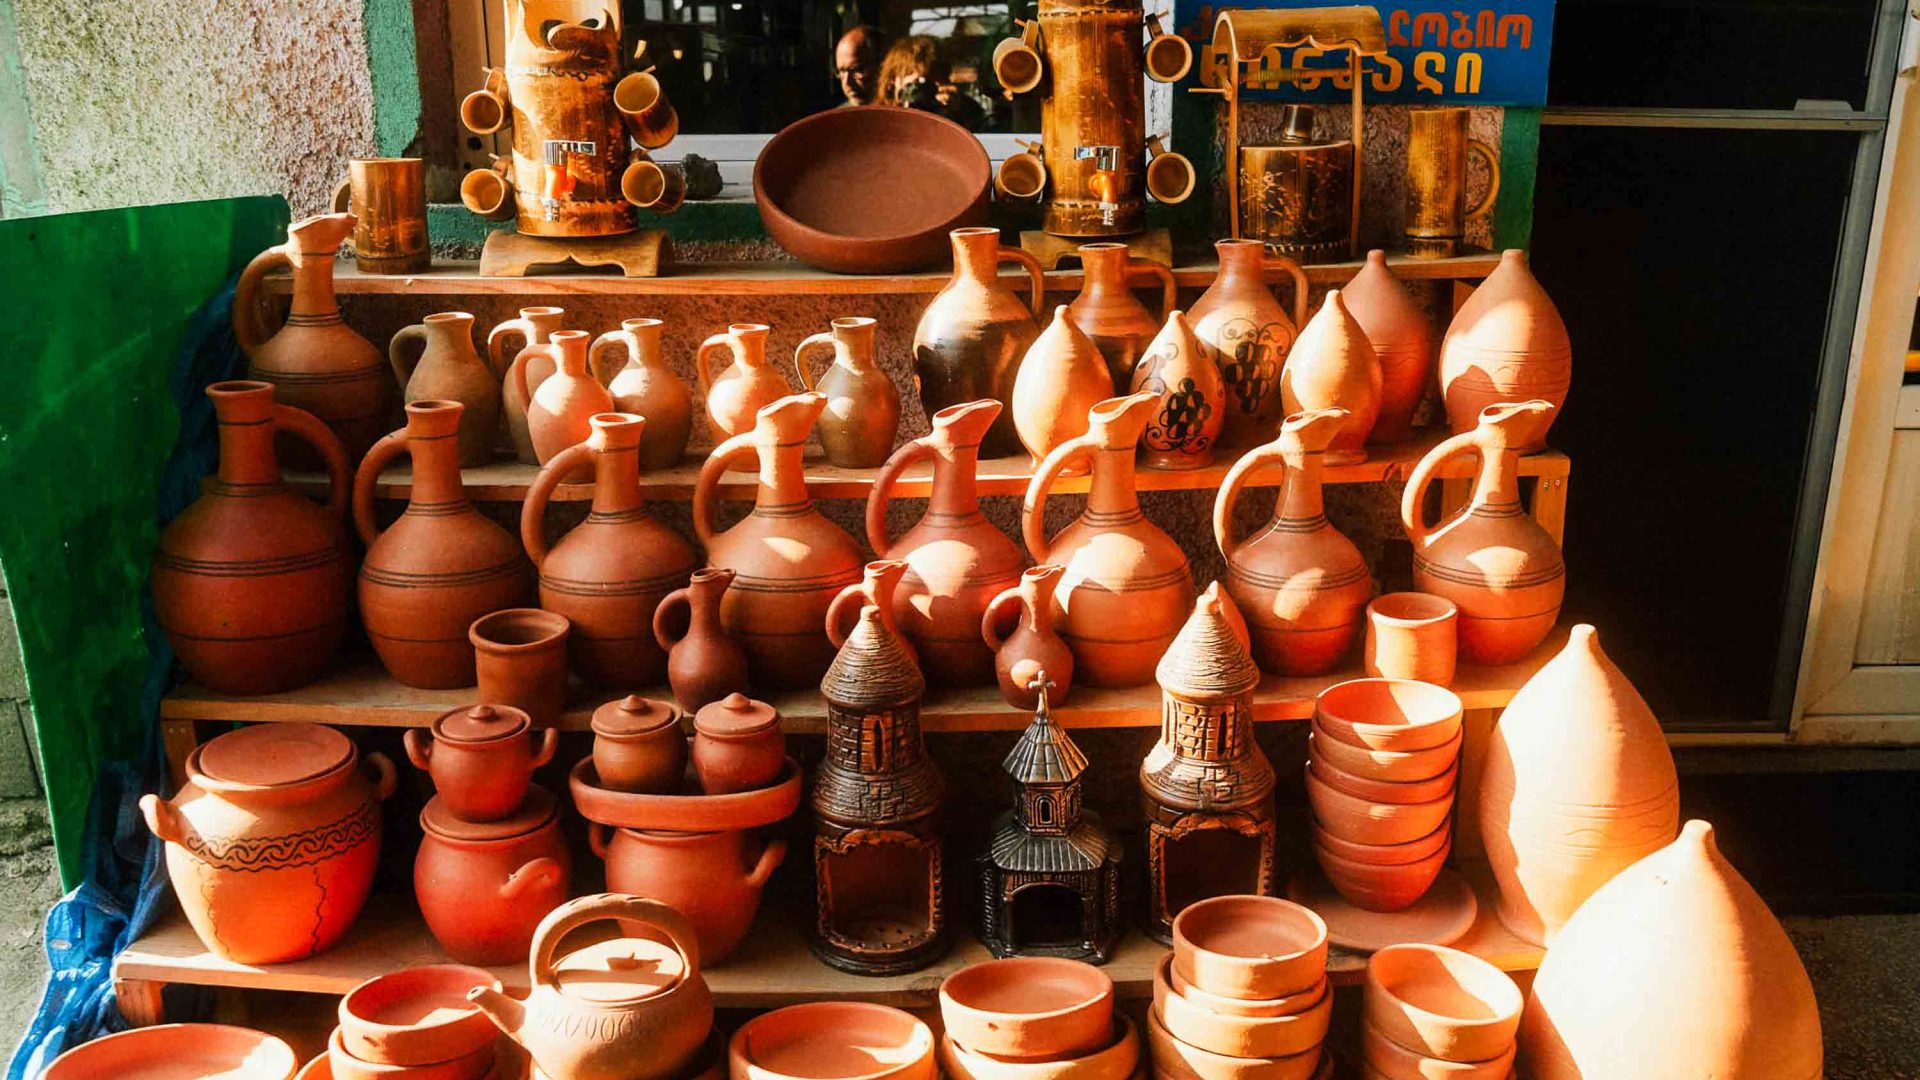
(638, 746)
(737, 745)
(484, 886)
(481, 758)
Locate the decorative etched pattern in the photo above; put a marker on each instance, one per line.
(309, 847)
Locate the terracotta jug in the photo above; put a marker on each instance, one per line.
(561, 407)
(1499, 567)
(970, 340)
(481, 758)
(434, 359)
(1190, 400)
(1506, 343)
(1127, 589)
(610, 572)
(645, 385)
(484, 887)
(534, 326)
(712, 878)
(1674, 969)
(789, 560)
(1333, 366)
(1402, 339)
(1248, 335)
(1111, 315)
(741, 389)
(1033, 645)
(863, 405)
(251, 583)
(1061, 377)
(440, 566)
(1576, 754)
(1302, 586)
(704, 663)
(957, 561)
(878, 585)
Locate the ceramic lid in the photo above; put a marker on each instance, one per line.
(735, 715)
(633, 715)
(536, 810)
(481, 723)
(271, 755)
(623, 970)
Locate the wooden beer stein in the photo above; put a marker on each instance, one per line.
(1437, 151)
(388, 196)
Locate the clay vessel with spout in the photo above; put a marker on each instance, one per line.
(1506, 343)
(1402, 339)
(1061, 377)
(1248, 335)
(863, 405)
(737, 393)
(1333, 366)
(704, 663)
(1033, 645)
(878, 586)
(434, 359)
(645, 385)
(560, 409)
(970, 340)
(533, 326)
(1108, 311)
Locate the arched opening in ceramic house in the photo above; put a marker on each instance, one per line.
(1047, 915)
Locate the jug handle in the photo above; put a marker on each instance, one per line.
(799, 357)
(1480, 209)
(405, 350)
(1280, 262)
(667, 603)
(545, 745)
(533, 512)
(837, 610)
(701, 363)
(599, 838)
(990, 618)
(496, 350)
(578, 912)
(882, 491)
(1413, 499)
(1033, 511)
(517, 371)
(309, 429)
(163, 820)
(543, 870)
(247, 325)
(601, 373)
(390, 446)
(771, 857)
(385, 778)
(1169, 288)
(1038, 276)
(708, 482)
(1236, 479)
(419, 748)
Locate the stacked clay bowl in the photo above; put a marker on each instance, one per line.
(1434, 1013)
(832, 1040)
(1382, 764)
(1244, 994)
(178, 1052)
(415, 1024)
(1034, 1018)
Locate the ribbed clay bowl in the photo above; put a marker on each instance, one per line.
(1388, 714)
(1028, 1007)
(870, 190)
(178, 1052)
(684, 813)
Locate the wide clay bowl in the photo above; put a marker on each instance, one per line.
(1239, 1036)
(1226, 1006)
(1364, 821)
(1384, 854)
(416, 1016)
(814, 183)
(1175, 1060)
(472, 1065)
(1390, 765)
(1389, 1060)
(1028, 1007)
(178, 1052)
(1251, 947)
(1117, 1060)
(691, 812)
(1442, 1003)
(1392, 791)
(1389, 714)
(1372, 887)
(832, 1040)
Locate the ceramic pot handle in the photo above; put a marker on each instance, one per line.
(1292, 269)
(800, 356)
(855, 594)
(708, 483)
(544, 745)
(771, 857)
(1153, 268)
(1033, 512)
(702, 363)
(405, 350)
(496, 343)
(533, 512)
(1485, 205)
(162, 819)
(990, 618)
(599, 838)
(310, 430)
(517, 371)
(1413, 499)
(604, 372)
(544, 870)
(881, 493)
(385, 778)
(247, 324)
(576, 913)
(390, 446)
(419, 747)
(660, 616)
(1236, 479)
(1038, 277)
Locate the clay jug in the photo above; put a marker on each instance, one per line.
(1061, 377)
(956, 559)
(533, 327)
(1034, 645)
(434, 359)
(1190, 401)
(1127, 589)
(970, 340)
(712, 878)
(1333, 366)
(1248, 335)
(863, 405)
(251, 583)
(878, 585)
(645, 386)
(1302, 586)
(560, 408)
(704, 663)
(1402, 339)
(440, 566)
(612, 570)
(1674, 970)
(1506, 343)
(316, 362)
(1109, 313)
(1498, 566)
(789, 560)
(741, 389)
(1577, 785)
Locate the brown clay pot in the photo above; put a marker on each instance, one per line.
(416, 1016)
(251, 582)
(481, 758)
(341, 1065)
(1506, 343)
(970, 340)
(1391, 765)
(1402, 340)
(1032, 1008)
(878, 585)
(863, 405)
(434, 359)
(1289, 1005)
(1412, 635)
(1384, 854)
(1377, 790)
(1333, 366)
(1442, 1003)
(745, 386)
(638, 746)
(484, 887)
(1239, 1036)
(1190, 399)
(826, 1040)
(1061, 377)
(534, 326)
(561, 407)
(1033, 646)
(1248, 335)
(645, 385)
(712, 878)
(1250, 947)
(704, 664)
(521, 659)
(737, 745)
(178, 1052)
(1109, 313)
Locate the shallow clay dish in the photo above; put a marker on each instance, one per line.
(1385, 854)
(832, 1040)
(1226, 1006)
(472, 1065)
(1388, 791)
(692, 812)
(1252, 947)
(1391, 765)
(1175, 1060)
(178, 1052)
(1028, 1007)
(1117, 1060)
(1381, 888)
(1388, 714)
(1239, 1036)
(1442, 1003)
(1391, 1061)
(416, 1016)
(1364, 821)
(1442, 916)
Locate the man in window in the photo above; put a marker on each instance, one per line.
(856, 62)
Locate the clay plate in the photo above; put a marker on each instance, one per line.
(1441, 917)
(178, 1052)
(832, 1040)
(416, 1016)
(1028, 1007)
(684, 813)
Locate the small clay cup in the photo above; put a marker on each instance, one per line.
(1385, 854)
(1386, 791)
(416, 1016)
(1029, 1008)
(521, 657)
(1384, 1058)
(1364, 821)
(1250, 947)
(1377, 887)
(638, 746)
(1117, 1060)
(1226, 1006)
(1391, 765)
(1412, 635)
(833, 1040)
(1239, 1036)
(1442, 1003)
(469, 1066)
(1175, 1060)
(1388, 714)
(737, 745)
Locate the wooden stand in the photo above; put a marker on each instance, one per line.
(641, 253)
(1155, 244)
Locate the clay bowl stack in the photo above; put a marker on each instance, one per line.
(833, 1040)
(1034, 1018)
(415, 1024)
(1244, 994)
(1434, 1013)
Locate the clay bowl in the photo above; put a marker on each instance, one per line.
(1364, 821)
(1442, 1003)
(321, 1068)
(1226, 1006)
(692, 812)
(832, 1040)
(1388, 714)
(1390, 765)
(178, 1052)
(1387, 791)
(1175, 1060)
(1384, 854)
(1250, 947)
(1388, 1060)
(1117, 1060)
(416, 1016)
(1028, 1008)
(813, 179)
(1239, 1036)
(472, 1065)
(1373, 887)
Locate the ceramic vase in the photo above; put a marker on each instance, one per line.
(560, 409)
(704, 663)
(645, 385)
(435, 360)
(1108, 311)
(1506, 343)
(737, 393)
(1190, 400)
(1333, 366)
(484, 886)
(1402, 339)
(1033, 645)
(712, 878)
(863, 405)
(1248, 335)
(969, 342)
(533, 326)
(1061, 377)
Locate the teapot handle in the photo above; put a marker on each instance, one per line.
(310, 429)
(390, 446)
(533, 512)
(708, 483)
(1299, 276)
(1230, 492)
(247, 325)
(1413, 499)
(990, 618)
(1038, 276)
(578, 912)
(882, 491)
(1169, 288)
(1033, 510)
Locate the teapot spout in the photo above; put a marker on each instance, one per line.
(507, 1013)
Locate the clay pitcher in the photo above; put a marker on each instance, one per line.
(1190, 399)
(316, 362)
(1302, 586)
(713, 878)
(970, 340)
(1061, 377)
(1402, 339)
(1109, 312)
(440, 566)
(561, 408)
(789, 561)
(1249, 336)
(736, 395)
(879, 583)
(533, 327)
(957, 561)
(645, 386)
(1127, 589)
(1034, 645)
(704, 664)
(1498, 566)
(434, 359)
(1333, 366)
(612, 570)
(1506, 343)
(251, 583)
(863, 405)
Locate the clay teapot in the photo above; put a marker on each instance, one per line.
(713, 878)
(483, 887)
(1189, 399)
(863, 405)
(741, 389)
(704, 663)
(481, 758)
(534, 326)
(434, 359)
(1062, 376)
(1248, 335)
(645, 385)
(1034, 645)
(1109, 313)
(1506, 343)
(1333, 366)
(1402, 339)
(561, 406)
(969, 341)
(878, 585)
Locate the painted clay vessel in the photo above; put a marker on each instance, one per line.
(1679, 950)
(1029, 1007)
(645, 385)
(1577, 786)
(1248, 335)
(484, 886)
(1062, 375)
(957, 561)
(1402, 339)
(272, 843)
(1127, 590)
(704, 662)
(825, 1040)
(879, 585)
(737, 745)
(179, 1052)
(638, 746)
(739, 391)
(969, 342)
(1108, 311)
(712, 878)
(610, 573)
(1333, 366)
(533, 326)
(1190, 399)
(520, 659)
(1301, 584)
(434, 359)
(863, 405)
(560, 409)
(1412, 635)
(1033, 645)
(481, 758)
(1506, 343)
(251, 582)
(430, 574)
(1498, 566)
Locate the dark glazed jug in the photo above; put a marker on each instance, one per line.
(970, 340)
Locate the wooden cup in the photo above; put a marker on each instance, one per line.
(1015, 62)
(1437, 152)
(388, 196)
(650, 117)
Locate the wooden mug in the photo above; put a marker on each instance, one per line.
(643, 103)
(1021, 177)
(1016, 63)
(1437, 151)
(1170, 176)
(652, 186)
(1169, 56)
(389, 197)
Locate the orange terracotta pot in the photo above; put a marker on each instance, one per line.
(737, 745)
(520, 660)
(1190, 398)
(1442, 1003)
(534, 326)
(1389, 765)
(435, 360)
(1387, 791)
(1249, 335)
(712, 878)
(484, 886)
(970, 340)
(1388, 1060)
(560, 408)
(833, 1040)
(1239, 1036)
(1117, 1059)
(416, 1016)
(178, 1052)
(481, 758)
(1402, 338)
(1062, 375)
(1385, 854)
(1250, 947)
(1033, 646)
(1333, 366)
(472, 1065)
(1412, 635)
(638, 746)
(863, 405)
(704, 664)
(1228, 1006)
(1388, 714)
(645, 385)
(1365, 821)
(1028, 1008)
(1381, 886)
(1109, 312)
(736, 393)
(1175, 1060)
(1506, 343)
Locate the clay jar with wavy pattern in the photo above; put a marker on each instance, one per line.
(1402, 338)
(272, 843)
(1248, 335)
(1333, 366)
(1190, 404)
(1506, 343)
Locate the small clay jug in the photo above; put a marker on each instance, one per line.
(1127, 588)
(252, 582)
(957, 561)
(1248, 335)
(863, 405)
(1189, 399)
(483, 887)
(316, 362)
(1302, 585)
(434, 359)
(534, 326)
(1506, 343)
(560, 409)
(442, 565)
(879, 583)
(1108, 312)
(713, 878)
(481, 758)
(704, 664)
(744, 387)
(969, 341)
(645, 385)
(737, 745)
(1033, 645)
(609, 574)
(638, 746)
(1061, 377)
(1333, 366)
(1402, 339)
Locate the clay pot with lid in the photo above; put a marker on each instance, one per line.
(1248, 335)
(521, 660)
(560, 409)
(1402, 338)
(435, 359)
(1506, 343)
(970, 340)
(1034, 645)
(737, 745)
(863, 405)
(704, 664)
(1061, 376)
(1190, 399)
(484, 886)
(638, 746)
(713, 878)
(272, 843)
(645, 385)
(1109, 313)
(481, 758)
(1333, 366)
(737, 393)
(533, 326)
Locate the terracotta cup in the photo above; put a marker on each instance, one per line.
(737, 745)
(388, 197)
(1239, 1036)
(521, 657)
(489, 192)
(1251, 947)
(638, 746)
(1412, 635)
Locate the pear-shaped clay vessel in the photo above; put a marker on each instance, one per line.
(645, 385)
(1111, 314)
(1506, 343)
(1403, 339)
(1248, 335)
(1333, 366)
(533, 326)
(559, 409)
(434, 359)
(1190, 403)
(1062, 376)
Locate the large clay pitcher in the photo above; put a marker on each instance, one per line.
(1302, 586)
(1499, 567)
(1061, 377)
(1109, 313)
(440, 566)
(609, 574)
(1333, 366)
(1033, 645)
(434, 359)
(713, 878)
(789, 562)
(1127, 589)
(704, 664)
(645, 386)
(863, 405)
(251, 583)
(316, 362)
(1190, 399)
(533, 327)
(957, 561)
(1506, 343)
(970, 340)
(1249, 335)
(741, 389)
(1577, 785)
(561, 408)
(1402, 339)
